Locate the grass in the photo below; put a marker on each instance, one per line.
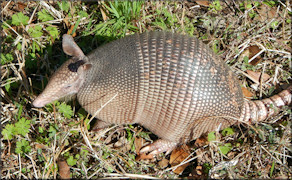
(36, 141)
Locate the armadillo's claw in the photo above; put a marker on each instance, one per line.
(158, 147)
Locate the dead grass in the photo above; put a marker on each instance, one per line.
(261, 151)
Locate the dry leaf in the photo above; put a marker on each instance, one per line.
(138, 144)
(20, 6)
(201, 141)
(253, 50)
(64, 169)
(40, 146)
(266, 13)
(246, 92)
(257, 75)
(177, 156)
(144, 156)
(163, 163)
(203, 3)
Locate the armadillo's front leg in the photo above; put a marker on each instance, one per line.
(159, 146)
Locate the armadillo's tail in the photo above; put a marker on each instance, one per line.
(259, 110)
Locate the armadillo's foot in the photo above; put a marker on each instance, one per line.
(100, 125)
(159, 146)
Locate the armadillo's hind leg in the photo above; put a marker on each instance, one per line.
(159, 146)
(100, 125)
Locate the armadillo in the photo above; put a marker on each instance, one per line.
(171, 84)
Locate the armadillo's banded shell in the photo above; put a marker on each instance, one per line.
(171, 84)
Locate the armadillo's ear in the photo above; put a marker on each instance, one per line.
(70, 47)
(83, 68)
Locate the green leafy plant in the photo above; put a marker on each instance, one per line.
(64, 5)
(211, 136)
(246, 66)
(215, 6)
(73, 161)
(19, 18)
(44, 16)
(6, 58)
(8, 131)
(227, 131)
(35, 31)
(122, 17)
(225, 148)
(20, 128)
(22, 147)
(207, 167)
(65, 109)
(52, 131)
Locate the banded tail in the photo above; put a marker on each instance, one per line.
(259, 110)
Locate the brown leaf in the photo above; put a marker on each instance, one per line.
(144, 156)
(177, 156)
(163, 163)
(201, 141)
(266, 13)
(257, 75)
(64, 169)
(203, 3)
(20, 6)
(246, 92)
(253, 50)
(138, 144)
(40, 146)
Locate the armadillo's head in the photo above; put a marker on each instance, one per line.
(68, 79)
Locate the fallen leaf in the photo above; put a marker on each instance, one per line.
(253, 50)
(40, 146)
(144, 156)
(201, 141)
(64, 169)
(266, 13)
(246, 92)
(177, 156)
(138, 144)
(257, 75)
(20, 6)
(203, 3)
(163, 163)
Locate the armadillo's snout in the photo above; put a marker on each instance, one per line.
(41, 101)
(38, 103)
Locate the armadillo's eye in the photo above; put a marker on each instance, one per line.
(68, 86)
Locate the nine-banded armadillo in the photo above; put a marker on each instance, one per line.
(172, 84)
